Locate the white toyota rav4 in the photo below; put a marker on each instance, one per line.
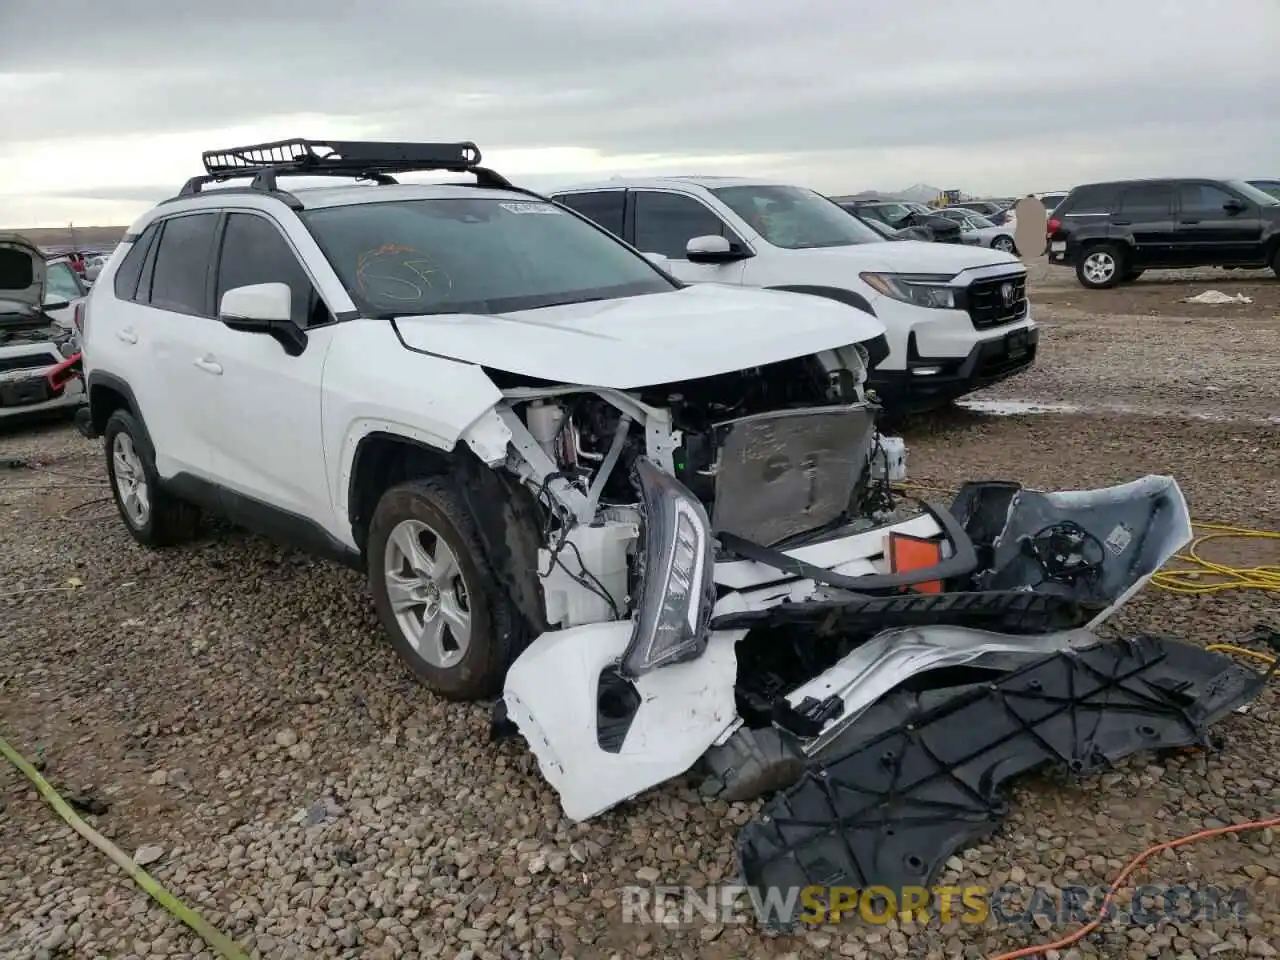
(571, 479)
(956, 319)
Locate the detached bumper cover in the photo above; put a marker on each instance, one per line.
(918, 776)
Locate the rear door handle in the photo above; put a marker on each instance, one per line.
(1122, 223)
(1188, 221)
(209, 366)
(127, 335)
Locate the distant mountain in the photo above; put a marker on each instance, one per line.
(917, 192)
(85, 237)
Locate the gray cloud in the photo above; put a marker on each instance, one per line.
(809, 77)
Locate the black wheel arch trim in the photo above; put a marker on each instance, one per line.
(102, 378)
(479, 488)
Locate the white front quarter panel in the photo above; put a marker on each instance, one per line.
(551, 695)
(374, 384)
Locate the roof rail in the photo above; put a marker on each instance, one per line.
(362, 159)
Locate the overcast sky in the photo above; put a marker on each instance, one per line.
(105, 108)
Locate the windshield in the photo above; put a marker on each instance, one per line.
(1260, 197)
(475, 255)
(795, 218)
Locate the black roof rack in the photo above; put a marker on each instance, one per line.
(362, 159)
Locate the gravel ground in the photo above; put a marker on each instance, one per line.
(235, 707)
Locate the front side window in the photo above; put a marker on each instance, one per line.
(1203, 198)
(61, 284)
(1250, 192)
(474, 255)
(181, 264)
(254, 251)
(795, 218)
(666, 222)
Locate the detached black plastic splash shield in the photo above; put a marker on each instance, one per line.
(917, 777)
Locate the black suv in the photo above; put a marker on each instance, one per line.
(1111, 232)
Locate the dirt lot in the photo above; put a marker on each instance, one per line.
(236, 706)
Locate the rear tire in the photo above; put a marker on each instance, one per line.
(1004, 245)
(1275, 260)
(152, 516)
(435, 592)
(1100, 267)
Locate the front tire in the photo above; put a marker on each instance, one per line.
(1275, 260)
(1100, 267)
(435, 592)
(1003, 244)
(151, 515)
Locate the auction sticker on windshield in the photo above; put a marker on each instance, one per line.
(531, 206)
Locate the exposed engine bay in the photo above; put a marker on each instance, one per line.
(731, 585)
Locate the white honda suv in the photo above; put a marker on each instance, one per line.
(957, 318)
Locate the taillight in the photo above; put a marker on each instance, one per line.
(78, 318)
(1052, 227)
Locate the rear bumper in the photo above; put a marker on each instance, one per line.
(930, 382)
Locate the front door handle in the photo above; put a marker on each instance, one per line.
(209, 366)
(127, 335)
(1122, 223)
(1188, 221)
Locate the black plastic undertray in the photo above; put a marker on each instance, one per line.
(919, 776)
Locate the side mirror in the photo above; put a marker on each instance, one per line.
(1234, 206)
(711, 249)
(263, 308)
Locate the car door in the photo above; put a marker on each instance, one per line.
(267, 444)
(157, 336)
(1216, 226)
(663, 222)
(1145, 213)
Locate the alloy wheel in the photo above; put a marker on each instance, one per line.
(428, 593)
(131, 481)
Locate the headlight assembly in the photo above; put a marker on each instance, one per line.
(921, 290)
(677, 589)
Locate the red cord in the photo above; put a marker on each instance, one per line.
(1132, 865)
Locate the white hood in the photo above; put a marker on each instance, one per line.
(22, 275)
(904, 256)
(699, 331)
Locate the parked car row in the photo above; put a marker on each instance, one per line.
(1111, 232)
(41, 319)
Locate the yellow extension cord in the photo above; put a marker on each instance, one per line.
(223, 945)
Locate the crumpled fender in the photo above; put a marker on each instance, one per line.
(551, 694)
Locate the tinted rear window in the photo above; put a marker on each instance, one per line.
(126, 282)
(181, 266)
(604, 207)
(1148, 199)
(1096, 198)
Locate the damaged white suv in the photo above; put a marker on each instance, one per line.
(655, 517)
